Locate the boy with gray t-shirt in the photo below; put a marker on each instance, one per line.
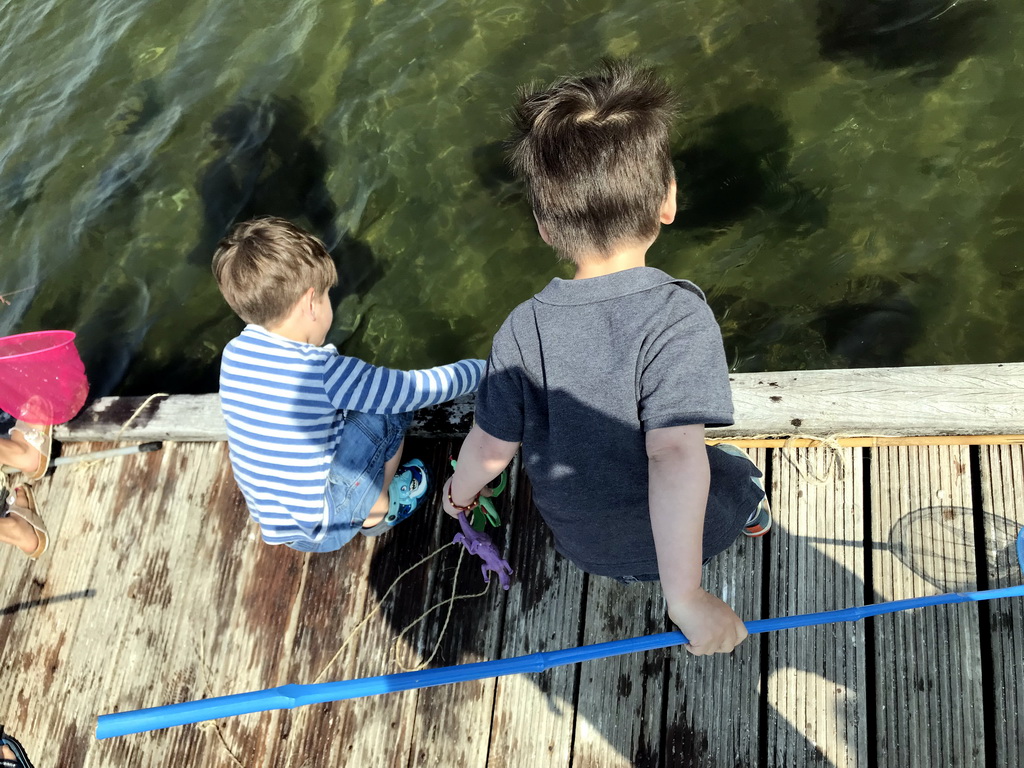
(607, 380)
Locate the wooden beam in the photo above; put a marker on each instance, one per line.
(1002, 472)
(867, 442)
(197, 418)
(929, 681)
(865, 402)
(817, 676)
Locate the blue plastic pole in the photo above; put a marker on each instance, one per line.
(291, 696)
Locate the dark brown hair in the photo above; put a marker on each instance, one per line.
(594, 152)
(265, 265)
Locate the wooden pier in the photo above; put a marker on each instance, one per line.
(158, 590)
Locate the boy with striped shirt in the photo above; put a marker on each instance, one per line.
(315, 437)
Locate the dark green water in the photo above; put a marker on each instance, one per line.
(852, 172)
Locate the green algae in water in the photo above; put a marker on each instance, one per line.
(850, 196)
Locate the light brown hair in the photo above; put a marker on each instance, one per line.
(594, 152)
(265, 265)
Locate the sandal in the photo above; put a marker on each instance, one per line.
(30, 515)
(20, 759)
(40, 438)
(406, 492)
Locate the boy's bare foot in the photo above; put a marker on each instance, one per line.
(17, 531)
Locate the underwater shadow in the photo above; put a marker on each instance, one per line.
(930, 35)
(875, 325)
(736, 164)
(109, 310)
(272, 162)
(492, 169)
(871, 332)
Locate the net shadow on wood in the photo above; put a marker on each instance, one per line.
(937, 544)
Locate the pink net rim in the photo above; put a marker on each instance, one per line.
(57, 339)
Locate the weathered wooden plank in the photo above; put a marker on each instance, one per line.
(158, 589)
(1002, 493)
(712, 701)
(181, 610)
(195, 605)
(619, 706)
(929, 697)
(817, 675)
(534, 714)
(199, 418)
(334, 600)
(49, 606)
(927, 400)
(411, 728)
(869, 442)
(219, 629)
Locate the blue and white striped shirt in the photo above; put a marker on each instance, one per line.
(283, 402)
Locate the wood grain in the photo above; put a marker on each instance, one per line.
(928, 661)
(817, 675)
(1002, 477)
(619, 705)
(534, 715)
(928, 400)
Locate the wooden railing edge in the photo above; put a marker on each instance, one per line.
(969, 400)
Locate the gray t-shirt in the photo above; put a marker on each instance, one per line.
(578, 374)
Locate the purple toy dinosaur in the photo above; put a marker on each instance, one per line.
(480, 544)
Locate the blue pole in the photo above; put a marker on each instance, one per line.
(291, 696)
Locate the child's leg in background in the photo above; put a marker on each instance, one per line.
(732, 497)
(380, 507)
(760, 520)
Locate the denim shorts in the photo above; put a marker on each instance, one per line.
(356, 477)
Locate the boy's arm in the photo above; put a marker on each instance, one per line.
(481, 459)
(678, 488)
(353, 384)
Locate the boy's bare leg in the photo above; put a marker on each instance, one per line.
(14, 530)
(16, 452)
(383, 503)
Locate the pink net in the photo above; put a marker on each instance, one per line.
(42, 378)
